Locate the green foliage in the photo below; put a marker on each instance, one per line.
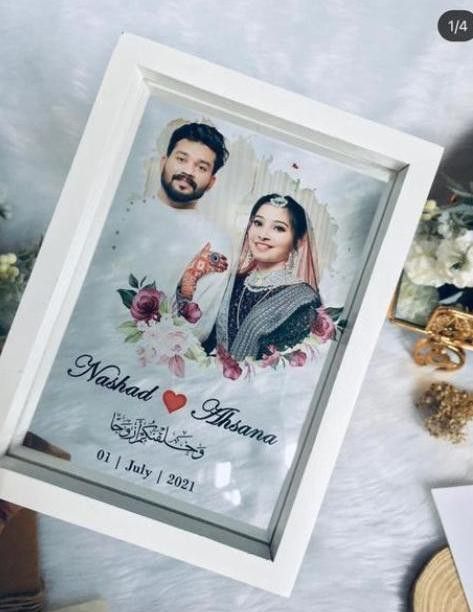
(127, 296)
(12, 287)
(134, 336)
(127, 326)
(334, 313)
(133, 281)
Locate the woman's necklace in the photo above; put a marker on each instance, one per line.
(258, 280)
(269, 290)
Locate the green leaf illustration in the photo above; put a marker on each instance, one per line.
(134, 336)
(150, 285)
(133, 281)
(127, 296)
(164, 307)
(127, 325)
(334, 313)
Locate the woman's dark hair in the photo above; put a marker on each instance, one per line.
(297, 216)
(207, 135)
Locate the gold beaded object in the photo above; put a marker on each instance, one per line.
(448, 333)
(446, 410)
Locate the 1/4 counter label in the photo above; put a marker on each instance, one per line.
(456, 26)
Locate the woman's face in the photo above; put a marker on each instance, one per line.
(270, 236)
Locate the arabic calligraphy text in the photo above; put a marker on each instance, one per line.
(141, 431)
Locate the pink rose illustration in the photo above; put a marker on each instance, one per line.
(323, 326)
(232, 370)
(177, 365)
(231, 367)
(145, 305)
(272, 358)
(190, 311)
(297, 359)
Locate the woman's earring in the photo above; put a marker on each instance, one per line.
(291, 261)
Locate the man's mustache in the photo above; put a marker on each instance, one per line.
(185, 177)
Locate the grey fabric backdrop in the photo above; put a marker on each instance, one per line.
(381, 59)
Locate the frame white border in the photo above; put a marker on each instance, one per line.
(137, 69)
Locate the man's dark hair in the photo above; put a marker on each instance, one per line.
(207, 135)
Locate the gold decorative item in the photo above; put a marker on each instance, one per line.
(438, 588)
(449, 332)
(434, 295)
(446, 410)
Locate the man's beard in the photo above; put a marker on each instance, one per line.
(178, 196)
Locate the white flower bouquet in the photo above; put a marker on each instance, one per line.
(439, 267)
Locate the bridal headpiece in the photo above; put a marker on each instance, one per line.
(279, 201)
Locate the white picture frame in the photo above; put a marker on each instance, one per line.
(139, 68)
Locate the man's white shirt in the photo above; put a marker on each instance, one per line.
(159, 241)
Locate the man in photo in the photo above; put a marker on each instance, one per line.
(191, 254)
(195, 153)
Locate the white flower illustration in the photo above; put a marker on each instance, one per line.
(165, 342)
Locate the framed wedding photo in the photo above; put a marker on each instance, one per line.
(185, 360)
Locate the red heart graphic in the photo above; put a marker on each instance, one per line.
(174, 401)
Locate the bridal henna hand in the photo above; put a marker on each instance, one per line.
(205, 262)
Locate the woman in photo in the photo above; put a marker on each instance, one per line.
(271, 303)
